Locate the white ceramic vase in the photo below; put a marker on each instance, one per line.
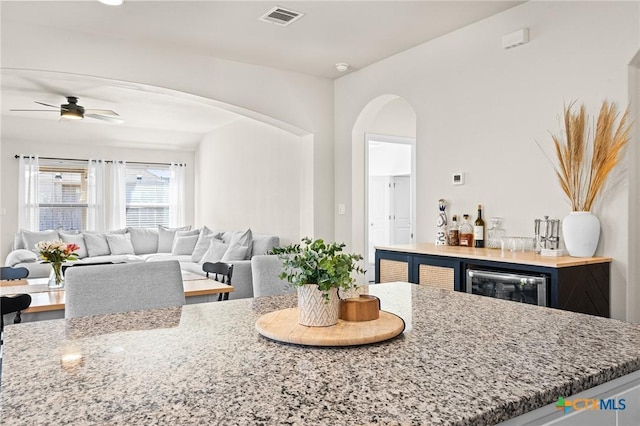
(314, 309)
(581, 232)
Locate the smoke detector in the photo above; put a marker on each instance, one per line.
(281, 16)
(342, 66)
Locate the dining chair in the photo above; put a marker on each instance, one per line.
(123, 287)
(265, 271)
(11, 304)
(223, 273)
(10, 273)
(16, 303)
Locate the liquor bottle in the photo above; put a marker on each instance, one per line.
(466, 232)
(478, 230)
(454, 237)
(441, 228)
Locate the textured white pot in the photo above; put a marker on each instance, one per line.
(314, 310)
(581, 232)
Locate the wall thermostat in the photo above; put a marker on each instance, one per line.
(458, 179)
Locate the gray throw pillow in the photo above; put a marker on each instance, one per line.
(239, 240)
(96, 244)
(166, 236)
(183, 245)
(235, 252)
(216, 251)
(202, 245)
(76, 239)
(20, 256)
(120, 243)
(30, 239)
(144, 240)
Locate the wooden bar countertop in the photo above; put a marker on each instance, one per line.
(496, 255)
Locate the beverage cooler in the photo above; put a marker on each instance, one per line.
(518, 287)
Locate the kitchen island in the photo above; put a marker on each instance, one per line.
(462, 359)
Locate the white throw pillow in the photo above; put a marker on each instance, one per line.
(240, 240)
(120, 243)
(30, 239)
(184, 245)
(20, 256)
(235, 253)
(76, 239)
(216, 251)
(144, 240)
(96, 244)
(203, 243)
(166, 236)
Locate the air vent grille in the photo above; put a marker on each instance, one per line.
(281, 16)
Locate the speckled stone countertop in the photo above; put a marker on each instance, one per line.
(462, 360)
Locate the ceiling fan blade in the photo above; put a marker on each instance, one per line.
(105, 118)
(36, 110)
(52, 106)
(101, 111)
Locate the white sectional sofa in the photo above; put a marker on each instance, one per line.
(190, 247)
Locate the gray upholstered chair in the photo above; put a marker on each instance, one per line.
(264, 273)
(104, 289)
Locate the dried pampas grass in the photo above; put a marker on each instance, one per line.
(584, 165)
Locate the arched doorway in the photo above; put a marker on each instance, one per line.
(383, 176)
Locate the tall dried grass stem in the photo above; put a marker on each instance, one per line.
(584, 163)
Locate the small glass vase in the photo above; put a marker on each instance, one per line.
(56, 280)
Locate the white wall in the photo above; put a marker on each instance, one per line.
(91, 149)
(396, 118)
(302, 101)
(250, 176)
(480, 110)
(633, 300)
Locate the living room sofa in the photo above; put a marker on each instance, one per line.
(190, 247)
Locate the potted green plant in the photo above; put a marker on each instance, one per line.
(318, 270)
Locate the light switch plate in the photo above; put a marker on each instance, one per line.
(342, 209)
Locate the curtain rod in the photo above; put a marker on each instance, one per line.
(106, 161)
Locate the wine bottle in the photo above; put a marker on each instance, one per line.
(478, 230)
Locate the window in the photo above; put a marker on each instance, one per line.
(62, 197)
(147, 197)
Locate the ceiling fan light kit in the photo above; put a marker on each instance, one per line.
(72, 110)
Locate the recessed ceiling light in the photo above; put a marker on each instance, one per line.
(342, 66)
(112, 2)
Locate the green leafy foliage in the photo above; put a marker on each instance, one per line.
(320, 263)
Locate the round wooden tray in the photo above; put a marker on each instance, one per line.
(283, 326)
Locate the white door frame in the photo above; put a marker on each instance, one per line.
(368, 137)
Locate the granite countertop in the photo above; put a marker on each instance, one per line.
(495, 255)
(462, 360)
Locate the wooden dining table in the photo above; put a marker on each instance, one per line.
(49, 303)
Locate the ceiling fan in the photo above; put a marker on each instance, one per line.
(71, 110)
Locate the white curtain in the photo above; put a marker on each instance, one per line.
(176, 194)
(29, 212)
(118, 189)
(96, 196)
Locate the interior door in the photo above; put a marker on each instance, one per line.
(401, 210)
(378, 213)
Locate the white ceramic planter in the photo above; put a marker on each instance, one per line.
(581, 232)
(314, 310)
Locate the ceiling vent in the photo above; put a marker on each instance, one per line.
(281, 16)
